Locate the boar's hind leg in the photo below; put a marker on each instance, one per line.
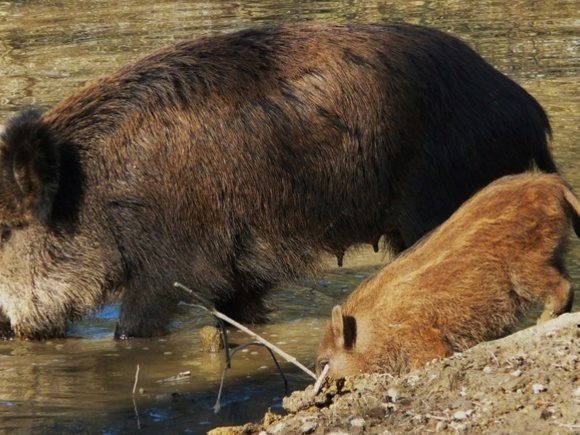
(144, 314)
(246, 304)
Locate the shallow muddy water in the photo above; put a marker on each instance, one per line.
(84, 383)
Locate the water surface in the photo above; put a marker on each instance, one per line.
(50, 48)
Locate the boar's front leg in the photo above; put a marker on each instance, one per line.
(5, 328)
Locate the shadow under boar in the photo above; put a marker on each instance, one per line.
(232, 162)
(468, 281)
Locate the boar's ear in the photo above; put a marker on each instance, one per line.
(29, 163)
(343, 329)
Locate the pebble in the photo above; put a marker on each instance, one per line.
(462, 415)
(576, 392)
(538, 388)
(441, 426)
(517, 373)
(393, 395)
(278, 428)
(308, 427)
(487, 370)
(412, 380)
(357, 422)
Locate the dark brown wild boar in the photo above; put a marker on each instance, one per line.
(467, 282)
(231, 162)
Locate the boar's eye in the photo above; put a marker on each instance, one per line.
(5, 234)
(322, 362)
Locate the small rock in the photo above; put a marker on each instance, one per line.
(459, 428)
(517, 373)
(576, 392)
(538, 388)
(392, 395)
(412, 380)
(487, 370)
(210, 339)
(462, 415)
(228, 430)
(308, 427)
(269, 418)
(278, 428)
(377, 412)
(441, 426)
(357, 422)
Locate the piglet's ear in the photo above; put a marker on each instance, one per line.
(29, 165)
(337, 322)
(343, 329)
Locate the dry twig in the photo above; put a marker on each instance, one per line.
(252, 334)
(136, 379)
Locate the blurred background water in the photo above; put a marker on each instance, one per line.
(83, 384)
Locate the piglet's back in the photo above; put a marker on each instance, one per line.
(516, 219)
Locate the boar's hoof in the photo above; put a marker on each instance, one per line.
(6, 332)
(121, 333)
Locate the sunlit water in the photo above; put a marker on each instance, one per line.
(84, 384)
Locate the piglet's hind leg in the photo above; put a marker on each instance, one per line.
(558, 301)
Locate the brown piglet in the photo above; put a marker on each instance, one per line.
(468, 281)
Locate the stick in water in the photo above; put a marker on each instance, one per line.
(136, 379)
(241, 327)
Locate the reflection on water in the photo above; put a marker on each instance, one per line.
(50, 48)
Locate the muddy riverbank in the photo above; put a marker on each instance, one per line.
(528, 382)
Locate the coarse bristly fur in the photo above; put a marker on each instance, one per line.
(468, 281)
(232, 162)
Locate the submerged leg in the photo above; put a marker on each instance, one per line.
(145, 314)
(246, 306)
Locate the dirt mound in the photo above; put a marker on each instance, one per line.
(528, 382)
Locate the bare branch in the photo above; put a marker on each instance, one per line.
(320, 380)
(136, 379)
(252, 334)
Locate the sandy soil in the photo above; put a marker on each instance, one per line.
(526, 383)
